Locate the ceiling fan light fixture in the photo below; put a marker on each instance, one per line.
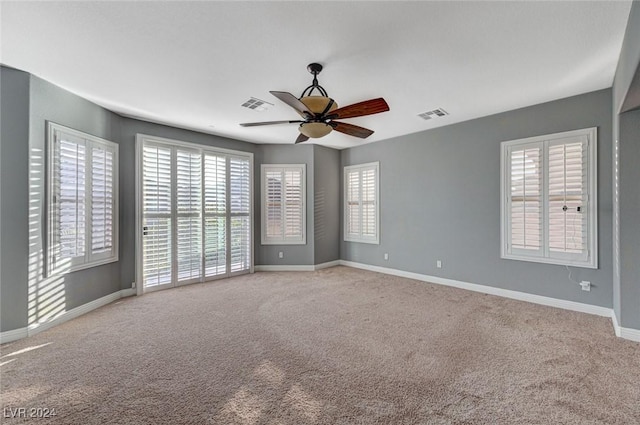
(319, 104)
(315, 130)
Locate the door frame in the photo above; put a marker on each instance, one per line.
(140, 140)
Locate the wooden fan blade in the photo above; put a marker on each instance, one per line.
(368, 107)
(351, 130)
(301, 138)
(292, 101)
(253, 124)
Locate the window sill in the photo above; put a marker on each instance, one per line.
(554, 261)
(281, 242)
(369, 241)
(62, 270)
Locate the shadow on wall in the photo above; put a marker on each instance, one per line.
(46, 297)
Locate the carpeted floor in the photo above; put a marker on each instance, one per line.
(337, 346)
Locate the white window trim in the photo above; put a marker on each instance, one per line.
(265, 240)
(361, 239)
(89, 259)
(592, 208)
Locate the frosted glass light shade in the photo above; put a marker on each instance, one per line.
(316, 104)
(315, 130)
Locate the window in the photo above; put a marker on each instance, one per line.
(549, 205)
(283, 204)
(82, 200)
(361, 203)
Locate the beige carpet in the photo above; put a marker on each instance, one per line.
(337, 346)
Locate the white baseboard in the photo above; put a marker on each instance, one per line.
(327, 265)
(13, 335)
(506, 293)
(296, 268)
(36, 328)
(626, 333)
(285, 268)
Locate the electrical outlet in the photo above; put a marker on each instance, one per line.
(133, 284)
(585, 285)
(439, 264)
(280, 254)
(386, 256)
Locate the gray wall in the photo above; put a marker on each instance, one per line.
(326, 204)
(440, 199)
(52, 103)
(629, 58)
(626, 135)
(293, 254)
(630, 220)
(128, 131)
(14, 199)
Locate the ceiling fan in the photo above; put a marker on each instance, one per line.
(320, 111)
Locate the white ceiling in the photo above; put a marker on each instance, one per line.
(192, 64)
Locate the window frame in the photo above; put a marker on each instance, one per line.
(89, 259)
(265, 239)
(375, 240)
(543, 255)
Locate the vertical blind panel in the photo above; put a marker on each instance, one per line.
(102, 201)
(274, 203)
(189, 247)
(526, 198)
(156, 180)
(293, 207)
(240, 185)
(368, 197)
(567, 193)
(215, 246)
(215, 184)
(240, 243)
(70, 199)
(157, 251)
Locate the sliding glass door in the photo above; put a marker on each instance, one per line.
(195, 207)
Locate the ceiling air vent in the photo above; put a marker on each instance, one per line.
(433, 114)
(257, 104)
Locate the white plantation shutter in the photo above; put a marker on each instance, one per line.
(568, 198)
(215, 215)
(240, 212)
(188, 218)
(352, 222)
(70, 197)
(82, 200)
(102, 202)
(361, 203)
(368, 195)
(157, 223)
(525, 200)
(283, 204)
(196, 206)
(549, 192)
